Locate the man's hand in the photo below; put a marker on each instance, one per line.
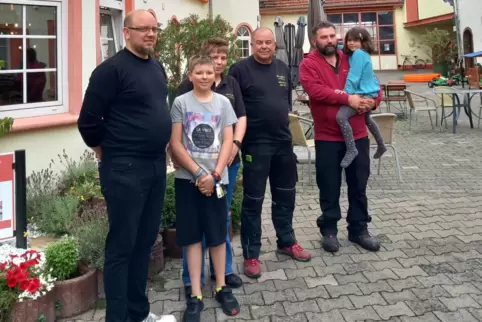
(354, 101)
(98, 152)
(366, 105)
(205, 184)
(234, 153)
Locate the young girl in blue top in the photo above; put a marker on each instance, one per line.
(362, 81)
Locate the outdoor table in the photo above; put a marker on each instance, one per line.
(468, 94)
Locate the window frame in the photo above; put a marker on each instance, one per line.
(60, 105)
(114, 33)
(244, 38)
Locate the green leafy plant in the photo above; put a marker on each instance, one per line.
(181, 40)
(6, 124)
(237, 203)
(75, 173)
(56, 215)
(61, 258)
(41, 189)
(91, 231)
(168, 219)
(438, 44)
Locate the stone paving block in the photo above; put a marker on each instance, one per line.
(396, 297)
(357, 268)
(389, 311)
(275, 309)
(464, 301)
(421, 307)
(438, 279)
(334, 315)
(380, 275)
(278, 296)
(369, 288)
(460, 289)
(333, 269)
(367, 300)
(294, 318)
(366, 313)
(300, 307)
(300, 272)
(460, 315)
(317, 281)
(339, 290)
(352, 278)
(326, 305)
(409, 272)
(428, 317)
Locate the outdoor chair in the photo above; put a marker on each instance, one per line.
(301, 95)
(299, 137)
(395, 94)
(446, 101)
(414, 100)
(386, 123)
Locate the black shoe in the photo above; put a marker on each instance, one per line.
(228, 302)
(231, 280)
(188, 291)
(330, 243)
(193, 310)
(366, 241)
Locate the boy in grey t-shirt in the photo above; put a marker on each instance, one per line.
(201, 142)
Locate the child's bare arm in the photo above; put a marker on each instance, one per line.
(179, 152)
(226, 148)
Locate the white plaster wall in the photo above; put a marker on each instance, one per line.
(237, 12)
(89, 41)
(470, 13)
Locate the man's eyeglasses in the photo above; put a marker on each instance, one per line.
(144, 29)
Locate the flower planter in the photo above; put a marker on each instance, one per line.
(77, 295)
(169, 238)
(156, 263)
(100, 284)
(32, 310)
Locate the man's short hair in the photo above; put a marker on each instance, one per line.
(322, 25)
(219, 45)
(199, 60)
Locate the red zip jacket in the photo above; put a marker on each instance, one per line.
(319, 81)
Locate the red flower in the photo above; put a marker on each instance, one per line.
(24, 285)
(12, 282)
(34, 285)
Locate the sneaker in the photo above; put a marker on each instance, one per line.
(366, 241)
(163, 318)
(228, 302)
(296, 252)
(252, 268)
(231, 280)
(330, 243)
(193, 310)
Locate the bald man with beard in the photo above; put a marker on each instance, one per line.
(125, 120)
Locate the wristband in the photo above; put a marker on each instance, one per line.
(198, 174)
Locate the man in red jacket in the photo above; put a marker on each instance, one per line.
(323, 75)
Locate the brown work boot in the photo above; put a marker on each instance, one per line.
(252, 268)
(296, 252)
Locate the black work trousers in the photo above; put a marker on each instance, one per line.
(278, 163)
(328, 178)
(134, 192)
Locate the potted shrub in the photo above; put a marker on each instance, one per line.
(168, 220)
(26, 288)
(76, 285)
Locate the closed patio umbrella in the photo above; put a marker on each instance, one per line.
(298, 50)
(290, 30)
(281, 53)
(316, 14)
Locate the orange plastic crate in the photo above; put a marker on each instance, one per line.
(419, 78)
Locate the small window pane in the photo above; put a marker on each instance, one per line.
(335, 19)
(41, 20)
(350, 18)
(11, 19)
(387, 47)
(243, 31)
(11, 53)
(11, 89)
(370, 17)
(42, 53)
(106, 26)
(385, 18)
(386, 33)
(108, 48)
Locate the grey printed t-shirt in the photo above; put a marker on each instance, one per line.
(203, 128)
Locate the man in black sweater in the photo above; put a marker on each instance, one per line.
(125, 120)
(267, 150)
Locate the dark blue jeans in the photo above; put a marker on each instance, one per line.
(232, 173)
(278, 163)
(134, 192)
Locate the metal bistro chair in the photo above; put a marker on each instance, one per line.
(430, 105)
(386, 123)
(299, 137)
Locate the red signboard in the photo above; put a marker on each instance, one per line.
(7, 196)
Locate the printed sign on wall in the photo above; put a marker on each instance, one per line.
(7, 209)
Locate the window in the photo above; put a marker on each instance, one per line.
(244, 38)
(378, 24)
(108, 38)
(31, 51)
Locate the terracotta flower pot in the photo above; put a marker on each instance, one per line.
(156, 263)
(169, 238)
(100, 284)
(76, 295)
(30, 311)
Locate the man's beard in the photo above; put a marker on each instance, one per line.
(145, 50)
(328, 50)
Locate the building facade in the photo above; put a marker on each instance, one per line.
(394, 24)
(61, 42)
(470, 26)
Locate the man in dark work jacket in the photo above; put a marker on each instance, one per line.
(267, 150)
(125, 120)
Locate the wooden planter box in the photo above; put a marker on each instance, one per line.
(32, 310)
(77, 295)
(169, 239)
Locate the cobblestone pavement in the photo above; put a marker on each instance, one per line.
(430, 264)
